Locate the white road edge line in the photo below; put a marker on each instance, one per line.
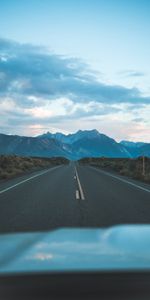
(79, 185)
(25, 180)
(123, 180)
(77, 195)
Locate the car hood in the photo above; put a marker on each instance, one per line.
(115, 248)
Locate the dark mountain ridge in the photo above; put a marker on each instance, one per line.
(83, 143)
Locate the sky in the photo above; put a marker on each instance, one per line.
(67, 65)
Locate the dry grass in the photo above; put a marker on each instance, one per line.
(124, 166)
(11, 166)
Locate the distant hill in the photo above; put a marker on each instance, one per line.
(71, 138)
(137, 149)
(132, 144)
(83, 143)
(31, 146)
(96, 144)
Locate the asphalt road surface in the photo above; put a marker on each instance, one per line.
(72, 196)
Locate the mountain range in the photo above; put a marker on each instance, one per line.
(83, 143)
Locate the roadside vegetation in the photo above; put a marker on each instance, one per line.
(128, 167)
(12, 165)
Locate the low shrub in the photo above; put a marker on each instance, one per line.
(12, 165)
(124, 166)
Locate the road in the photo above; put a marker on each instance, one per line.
(71, 196)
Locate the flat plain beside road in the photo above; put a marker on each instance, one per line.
(54, 198)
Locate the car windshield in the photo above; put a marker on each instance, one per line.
(74, 135)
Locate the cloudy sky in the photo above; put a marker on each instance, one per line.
(75, 64)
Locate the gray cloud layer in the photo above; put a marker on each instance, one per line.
(28, 70)
(132, 73)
